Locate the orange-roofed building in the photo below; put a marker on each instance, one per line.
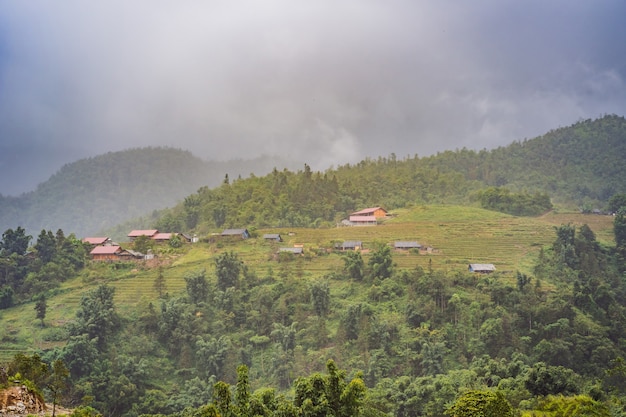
(372, 211)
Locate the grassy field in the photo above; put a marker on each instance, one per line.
(457, 235)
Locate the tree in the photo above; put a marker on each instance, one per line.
(381, 263)
(57, 382)
(143, 243)
(616, 202)
(475, 403)
(159, 283)
(46, 246)
(578, 405)
(197, 286)
(40, 307)
(32, 368)
(97, 317)
(354, 265)
(15, 241)
(544, 380)
(320, 296)
(330, 395)
(228, 268)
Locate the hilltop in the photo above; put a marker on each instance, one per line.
(96, 193)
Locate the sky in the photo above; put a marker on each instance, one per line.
(326, 82)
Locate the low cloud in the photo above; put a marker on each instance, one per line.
(321, 82)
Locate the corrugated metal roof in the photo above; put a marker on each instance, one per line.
(406, 245)
(366, 211)
(228, 232)
(292, 250)
(95, 240)
(162, 236)
(137, 233)
(482, 267)
(105, 250)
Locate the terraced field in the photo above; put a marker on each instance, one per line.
(457, 236)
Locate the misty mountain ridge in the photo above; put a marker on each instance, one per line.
(96, 193)
(580, 165)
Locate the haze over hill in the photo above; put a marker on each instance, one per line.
(579, 166)
(325, 82)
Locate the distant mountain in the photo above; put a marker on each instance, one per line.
(97, 193)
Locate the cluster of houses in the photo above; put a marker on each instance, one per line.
(103, 249)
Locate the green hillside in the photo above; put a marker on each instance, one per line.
(579, 166)
(97, 193)
(270, 319)
(547, 329)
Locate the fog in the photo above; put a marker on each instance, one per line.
(322, 82)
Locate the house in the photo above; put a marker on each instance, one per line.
(295, 251)
(363, 220)
(163, 237)
(372, 211)
(242, 233)
(482, 268)
(273, 236)
(189, 238)
(106, 253)
(350, 245)
(402, 245)
(134, 234)
(97, 241)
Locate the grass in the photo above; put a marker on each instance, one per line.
(458, 236)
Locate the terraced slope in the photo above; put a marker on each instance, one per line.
(457, 235)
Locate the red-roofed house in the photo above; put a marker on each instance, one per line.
(372, 211)
(106, 253)
(96, 241)
(136, 233)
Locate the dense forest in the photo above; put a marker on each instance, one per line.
(364, 336)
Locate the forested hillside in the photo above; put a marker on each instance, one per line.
(97, 193)
(373, 332)
(231, 326)
(577, 166)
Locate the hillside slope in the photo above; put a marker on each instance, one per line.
(92, 194)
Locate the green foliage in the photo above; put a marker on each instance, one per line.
(518, 204)
(576, 406)
(354, 265)
(14, 241)
(228, 269)
(329, 395)
(40, 307)
(197, 286)
(97, 317)
(320, 297)
(481, 404)
(380, 263)
(550, 380)
(616, 202)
